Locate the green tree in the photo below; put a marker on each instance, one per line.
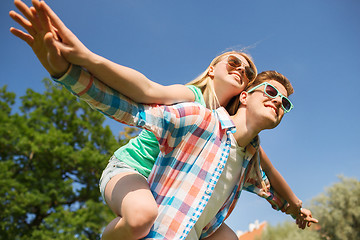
(338, 210)
(289, 231)
(52, 153)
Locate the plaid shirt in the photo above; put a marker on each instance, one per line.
(194, 148)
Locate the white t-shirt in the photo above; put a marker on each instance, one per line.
(228, 179)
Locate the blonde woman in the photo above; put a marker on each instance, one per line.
(124, 184)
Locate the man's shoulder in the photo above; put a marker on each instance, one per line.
(192, 108)
(191, 113)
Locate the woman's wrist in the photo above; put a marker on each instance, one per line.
(92, 60)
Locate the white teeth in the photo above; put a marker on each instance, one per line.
(273, 109)
(237, 77)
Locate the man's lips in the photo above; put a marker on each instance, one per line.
(273, 107)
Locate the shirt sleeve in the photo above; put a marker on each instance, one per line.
(258, 183)
(111, 103)
(199, 98)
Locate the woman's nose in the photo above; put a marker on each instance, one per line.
(241, 70)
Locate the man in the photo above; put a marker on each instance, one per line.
(195, 145)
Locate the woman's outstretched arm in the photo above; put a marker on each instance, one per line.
(125, 80)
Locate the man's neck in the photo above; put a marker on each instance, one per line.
(245, 129)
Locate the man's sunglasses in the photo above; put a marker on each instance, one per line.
(235, 62)
(272, 92)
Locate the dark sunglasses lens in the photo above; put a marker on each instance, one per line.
(286, 104)
(271, 91)
(250, 74)
(234, 62)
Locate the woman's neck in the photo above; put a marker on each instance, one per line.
(223, 96)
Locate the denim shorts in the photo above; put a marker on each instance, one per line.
(114, 167)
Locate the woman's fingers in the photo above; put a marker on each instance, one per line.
(55, 20)
(43, 19)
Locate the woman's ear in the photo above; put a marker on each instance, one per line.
(211, 71)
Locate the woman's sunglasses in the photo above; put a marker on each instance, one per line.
(272, 92)
(235, 62)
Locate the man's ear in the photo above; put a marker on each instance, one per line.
(243, 97)
(211, 71)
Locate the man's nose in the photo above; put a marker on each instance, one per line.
(277, 101)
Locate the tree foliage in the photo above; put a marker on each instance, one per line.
(338, 210)
(289, 231)
(52, 152)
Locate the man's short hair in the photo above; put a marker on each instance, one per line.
(272, 75)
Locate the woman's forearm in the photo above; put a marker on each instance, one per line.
(125, 80)
(134, 84)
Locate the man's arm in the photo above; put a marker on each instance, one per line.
(278, 183)
(97, 94)
(109, 102)
(125, 80)
(260, 185)
(39, 37)
(57, 47)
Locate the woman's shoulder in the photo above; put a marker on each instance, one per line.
(199, 98)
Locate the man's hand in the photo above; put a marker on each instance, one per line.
(305, 219)
(303, 216)
(73, 50)
(294, 209)
(40, 37)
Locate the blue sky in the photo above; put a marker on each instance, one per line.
(314, 43)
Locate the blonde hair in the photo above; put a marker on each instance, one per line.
(272, 75)
(205, 83)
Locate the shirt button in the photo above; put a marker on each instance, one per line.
(221, 166)
(208, 191)
(193, 218)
